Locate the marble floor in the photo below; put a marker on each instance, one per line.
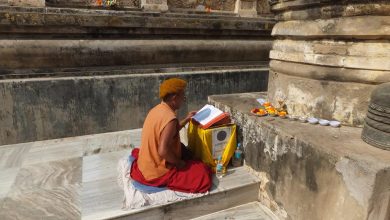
(249, 211)
(50, 179)
(74, 178)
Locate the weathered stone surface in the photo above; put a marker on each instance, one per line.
(376, 129)
(246, 8)
(83, 23)
(92, 3)
(359, 55)
(222, 5)
(359, 27)
(154, 5)
(373, 77)
(331, 11)
(311, 171)
(333, 53)
(20, 54)
(263, 7)
(35, 3)
(343, 101)
(47, 108)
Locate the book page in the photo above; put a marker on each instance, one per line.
(207, 114)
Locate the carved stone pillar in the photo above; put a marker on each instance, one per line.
(246, 8)
(34, 3)
(154, 5)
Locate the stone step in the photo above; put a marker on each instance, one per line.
(252, 210)
(76, 178)
(102, 198)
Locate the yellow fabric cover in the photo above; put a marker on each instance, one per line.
(171, 86)
(200, 143)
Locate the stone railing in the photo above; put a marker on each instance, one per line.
(243, 8)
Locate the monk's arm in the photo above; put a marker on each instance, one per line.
(166, 143)
(186, 119)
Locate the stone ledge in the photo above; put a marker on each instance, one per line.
(327, 73)
(358, 27)
(136, 70)
(22, 54)
(331, 11)
(347, 54)
(103, 22)
(310, 168)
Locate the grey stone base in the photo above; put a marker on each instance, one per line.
(325, 99)
(311, 171)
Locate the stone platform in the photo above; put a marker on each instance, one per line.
(310, 171)
(76, 178)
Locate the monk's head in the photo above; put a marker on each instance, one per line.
(172, 92)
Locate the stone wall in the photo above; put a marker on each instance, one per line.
(328, 57)
(47, 108)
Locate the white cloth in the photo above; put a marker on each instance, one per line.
(134, 198)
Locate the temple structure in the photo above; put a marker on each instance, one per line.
(328, 56)
(76, 75)
(72, 68)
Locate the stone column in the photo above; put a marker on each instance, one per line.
(327, 57)
(154, 5)
(34, 3)
(246, 8)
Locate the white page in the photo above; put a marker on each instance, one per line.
(207, 114)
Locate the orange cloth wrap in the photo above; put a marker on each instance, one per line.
(172, 86)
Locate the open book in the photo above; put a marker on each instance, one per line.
(209, 115)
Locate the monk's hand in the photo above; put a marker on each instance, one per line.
(181, 164)
(190, 115)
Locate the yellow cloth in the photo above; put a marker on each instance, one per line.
(201, 142)
(171, 86)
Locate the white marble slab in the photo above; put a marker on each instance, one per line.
(48, 175)
(55, 203)
(114, 141)
(61, 150)
(7, 178)
(102, 166)
(73, 178)
(13, 155)
(249, 211)
(101, 195)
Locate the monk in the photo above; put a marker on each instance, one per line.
(162, 161)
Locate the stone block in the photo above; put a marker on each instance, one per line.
(34, 3)
(310, 171)
(154, 5)
(246, 8)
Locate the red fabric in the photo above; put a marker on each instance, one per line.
(195, 177)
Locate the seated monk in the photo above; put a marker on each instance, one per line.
(161, 160)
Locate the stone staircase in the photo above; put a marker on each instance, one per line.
(75, 178)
